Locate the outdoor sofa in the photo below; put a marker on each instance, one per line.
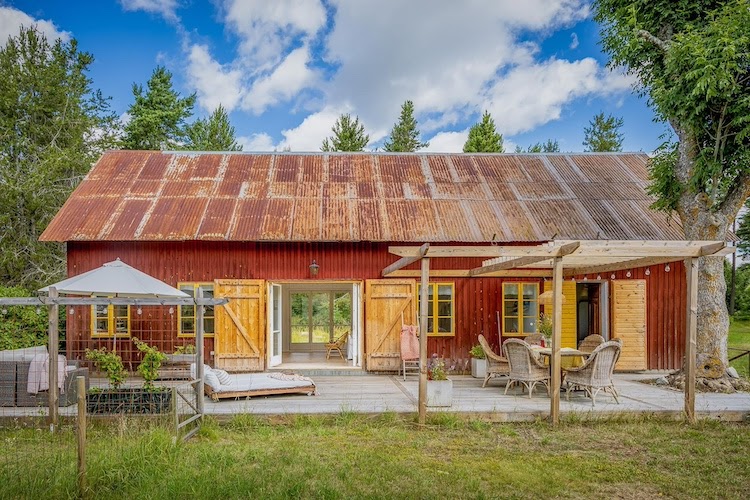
(15, 367)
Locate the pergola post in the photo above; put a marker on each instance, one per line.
(425, 281)
(199, 334)
(53, 350)
(557, 284)
(691, 268)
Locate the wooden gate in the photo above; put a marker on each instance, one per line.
(386, 303)
(239, 344)
(629, 322)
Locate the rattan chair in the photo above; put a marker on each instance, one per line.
(590, 343)
(497, 366)
(596, 373)
(337, 345)
(525, 367)
(534, 339)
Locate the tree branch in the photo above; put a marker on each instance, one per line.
(736, 197)
(662, 44)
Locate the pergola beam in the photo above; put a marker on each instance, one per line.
(464, 273)
(506, 265)
(616, 266)
(405, 261)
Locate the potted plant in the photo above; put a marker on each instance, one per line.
(439, 386)
(478, 362)
(183, 354)
(544, 328)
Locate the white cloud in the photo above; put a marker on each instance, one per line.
(286, 80)
(165, 8)
(309, 135)
(214, 83)
(530, 96)
(257, 142)
(12, 19)
(267, 29)
(448, 142)
(573, 41)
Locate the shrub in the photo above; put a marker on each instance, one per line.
(110, 363)
(21, 326)
(477, 352)
(150, 364)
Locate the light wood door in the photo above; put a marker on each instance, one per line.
(629, 322)
(387, 302)
(239, 343)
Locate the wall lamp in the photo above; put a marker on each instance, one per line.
(314, 268)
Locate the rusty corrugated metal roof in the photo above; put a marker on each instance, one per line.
(152, 195)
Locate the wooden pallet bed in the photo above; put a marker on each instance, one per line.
(247, 385)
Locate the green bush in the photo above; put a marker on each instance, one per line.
(110, 363)
(150, 364)
(21, 326)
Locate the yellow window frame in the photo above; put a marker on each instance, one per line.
(191, 287)
(112, 321)
(433, 312)
(520, 316)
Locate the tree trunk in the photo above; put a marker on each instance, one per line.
(700, 222)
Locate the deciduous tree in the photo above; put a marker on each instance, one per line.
(483, 138)
(691, 59)
(158, 115)
(53, 126)
(603, 134)
(348, 135)
(404, 137)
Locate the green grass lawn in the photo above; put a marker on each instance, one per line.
(739, 337)
(388, 456)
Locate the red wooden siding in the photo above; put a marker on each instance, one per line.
(476, 299)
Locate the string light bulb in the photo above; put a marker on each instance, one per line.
(648, 271)
(613, 276)
(139, 310)
(598, 276)
(171, 311)
(628, 274)
(71, 311)
(667, 268)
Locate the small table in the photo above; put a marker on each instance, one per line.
(569, 357)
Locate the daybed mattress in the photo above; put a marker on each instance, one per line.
(246, 385)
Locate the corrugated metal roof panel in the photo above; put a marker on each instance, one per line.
(150, 195)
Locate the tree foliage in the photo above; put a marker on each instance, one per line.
(158, 115)
(21, 326)
(549, 146)
(743, 232)
(215, 133)
(483, 137)
(53, 126)
(603, 134)
(692, 60)
(405, 135)
(348, 135)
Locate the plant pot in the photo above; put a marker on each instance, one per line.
(180, 359)
(478, 368)
(129, 400)
(439, 393)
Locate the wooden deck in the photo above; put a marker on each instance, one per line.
(373, 394)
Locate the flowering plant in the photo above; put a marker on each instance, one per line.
(436, 369)
(544, 327)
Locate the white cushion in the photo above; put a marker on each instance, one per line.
(223, 376)
(193, 374)
(210, 379)
(24, 355)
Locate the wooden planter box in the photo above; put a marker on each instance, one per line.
(129, 401)
(439, 393)
(478, 368)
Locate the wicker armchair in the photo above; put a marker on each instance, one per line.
(534, 339)
(590, 343)
(525, 367)
(497, 366)
(337, 345)
(596, 373)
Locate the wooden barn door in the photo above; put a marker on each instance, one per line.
(385, 303)
(239, 343)
(629, 322)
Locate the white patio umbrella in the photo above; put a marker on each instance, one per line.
(116, 279)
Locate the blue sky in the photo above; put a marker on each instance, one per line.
(286, 69)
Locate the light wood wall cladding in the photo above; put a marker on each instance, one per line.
(385, 302)
(240, 325)
(629, 322)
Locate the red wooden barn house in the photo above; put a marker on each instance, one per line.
(299, 243)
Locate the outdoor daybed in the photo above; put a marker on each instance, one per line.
(219, 384)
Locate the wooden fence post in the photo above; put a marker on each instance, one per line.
(81, 381)
(52, 350)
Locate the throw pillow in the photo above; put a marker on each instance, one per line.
(223, 376)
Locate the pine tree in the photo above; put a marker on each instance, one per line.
(348, 135)
(550, 146)
(213, 134)
(158, 115)
(603, 134)
(405, 136)
(483, 138)
(53, 126)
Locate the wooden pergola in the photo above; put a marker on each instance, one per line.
(559, 259)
